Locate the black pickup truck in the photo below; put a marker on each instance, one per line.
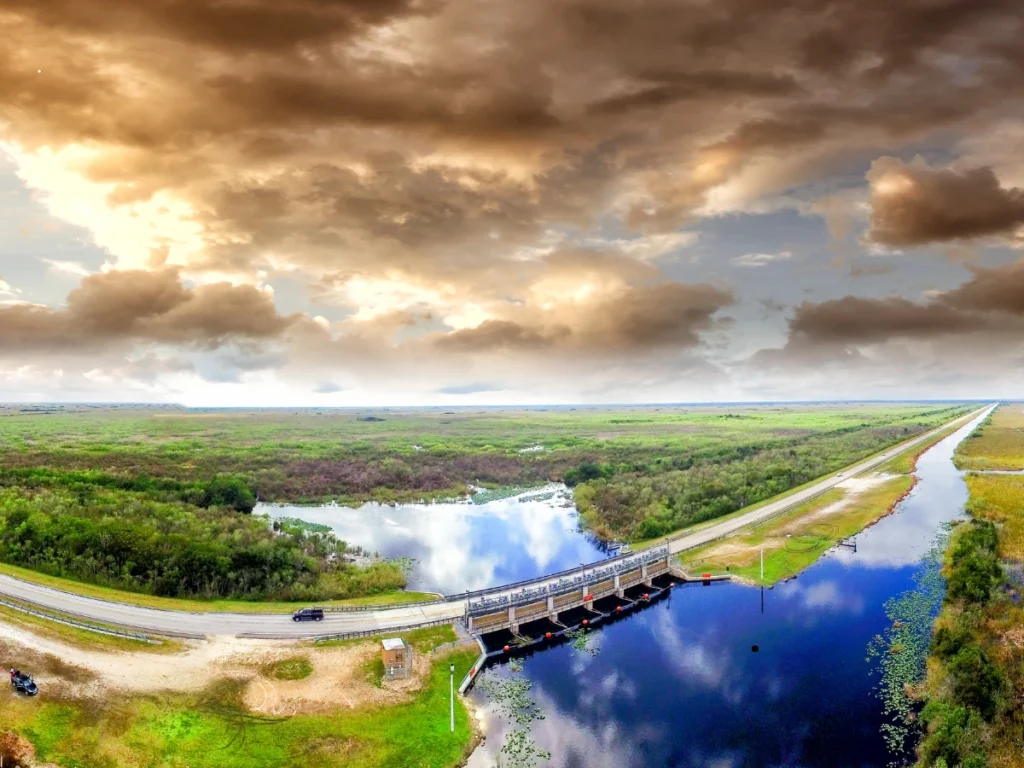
(308, 614)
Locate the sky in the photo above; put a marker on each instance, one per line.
(465, 202)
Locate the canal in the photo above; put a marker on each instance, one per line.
(680, 683)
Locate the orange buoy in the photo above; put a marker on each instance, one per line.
(507, 649)
(646, 596)
(585, 622)
(618, 608)
(547, 635)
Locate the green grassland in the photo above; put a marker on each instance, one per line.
(154, 502)
(998, 443)
(213, 730)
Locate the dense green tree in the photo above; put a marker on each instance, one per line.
(977, 682)
(229, 491)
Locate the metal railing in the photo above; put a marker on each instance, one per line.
(580, 578)
(377, 606)
(80, 624)
(380, 631)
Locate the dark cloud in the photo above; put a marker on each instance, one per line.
(865, 321)
(988, 309)
(913, 204)
(496, 335)
(631, 320)
(146, 306)
(992, 290)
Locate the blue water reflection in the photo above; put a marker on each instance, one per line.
(462, 546)
(677, 684)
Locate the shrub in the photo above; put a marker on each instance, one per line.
(949, 641)
(954, 735)
(974, 578)
(977, 682)
(228, 491)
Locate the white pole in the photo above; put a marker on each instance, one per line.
(451, 695)
(762, 563)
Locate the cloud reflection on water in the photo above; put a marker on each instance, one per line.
(461, 546)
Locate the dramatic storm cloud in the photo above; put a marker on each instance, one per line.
(349, 201)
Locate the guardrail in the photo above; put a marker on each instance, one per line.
(80, 624)
(475, 669)
(378, 606)
(373, 632)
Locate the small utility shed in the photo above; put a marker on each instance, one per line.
(395, 656)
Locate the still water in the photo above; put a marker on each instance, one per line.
(678, 684)
(463, 546)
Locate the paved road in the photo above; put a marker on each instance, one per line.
(157, 621)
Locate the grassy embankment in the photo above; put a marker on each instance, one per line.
(201, 606)
(80, 637)
(796, 539)
(974, 715)
(213, 730)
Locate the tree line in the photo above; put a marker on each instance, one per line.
(170, 546)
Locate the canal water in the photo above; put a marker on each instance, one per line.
(679, 684)
(461, 546)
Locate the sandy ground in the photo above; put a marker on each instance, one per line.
(338, 678)
(853, 487)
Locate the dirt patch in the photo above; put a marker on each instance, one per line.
(852, 488)
(338, 679)
(1015, 636)
(96, 671)
(15, 751)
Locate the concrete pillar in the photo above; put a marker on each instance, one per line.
(512, 620)
(647, 579)
(552, 613)
(587, 603)
(469, 624)
(618, 589)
